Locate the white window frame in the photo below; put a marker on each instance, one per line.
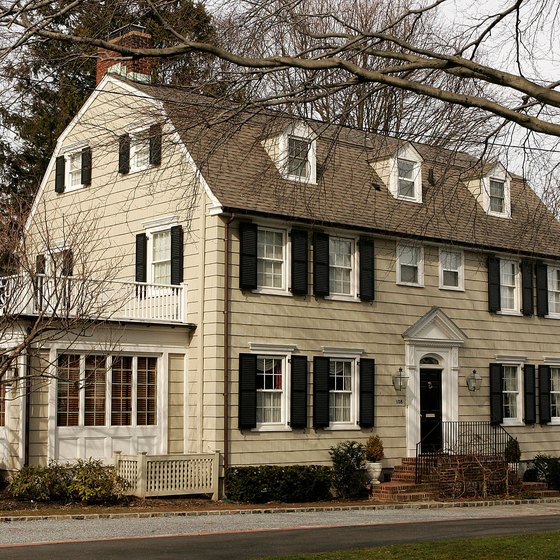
(299, 132)
(70, 172)
(139, 141)
(518, 419)
(553, 271)
(283, 290)
(158, 226)
(108, 392)
(516, 309)
(460, 270)
(498, 174)
(554, 419)
(354, 270)
(409, 154)
(401, 247)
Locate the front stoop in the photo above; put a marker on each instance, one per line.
(539, 490)
(403, 487)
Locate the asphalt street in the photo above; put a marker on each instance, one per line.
(257, 535)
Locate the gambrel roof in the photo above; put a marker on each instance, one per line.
(226, 144)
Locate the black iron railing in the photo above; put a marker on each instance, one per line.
(481, 439)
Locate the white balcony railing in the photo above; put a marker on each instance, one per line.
(73, 297)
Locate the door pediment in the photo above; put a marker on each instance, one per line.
(435, 329)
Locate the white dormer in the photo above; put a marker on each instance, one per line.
(402, 173)
(493, 191)
(294, 153)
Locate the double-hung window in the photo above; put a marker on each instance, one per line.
(74, 166)
(101, 390)
(509, 286)
(298, 164)
(497, 196)
(451, 270)
(140, 149)
(555, 394)
(554, 291)
(511, 393)
(410, 265)
(407, 171)
(341, 390)
(341, 266)
(271, 396)
(73, 169)
(159, 249)
(271, 259)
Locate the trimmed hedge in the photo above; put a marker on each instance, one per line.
(271, 483)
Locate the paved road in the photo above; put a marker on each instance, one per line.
(250, 536)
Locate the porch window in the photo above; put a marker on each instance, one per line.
(100, 390)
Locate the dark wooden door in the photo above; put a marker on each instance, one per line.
(430, 410)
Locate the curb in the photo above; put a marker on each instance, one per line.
(256, 511)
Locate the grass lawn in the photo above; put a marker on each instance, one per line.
(543, 546)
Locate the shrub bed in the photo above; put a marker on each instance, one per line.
(270, 483)
(84, 481)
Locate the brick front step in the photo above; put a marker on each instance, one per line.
(534, 486)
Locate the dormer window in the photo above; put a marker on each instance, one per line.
(497, 196)
(294, 153)
(298, 157)
(406, 178)
(401, 171)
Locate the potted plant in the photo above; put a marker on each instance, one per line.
(374, 454)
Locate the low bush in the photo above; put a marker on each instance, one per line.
(271, 483)
(84, 481)
(349, 477)
(548, 469)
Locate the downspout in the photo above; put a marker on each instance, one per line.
(226, 341)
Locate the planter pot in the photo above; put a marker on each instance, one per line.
(374, 472)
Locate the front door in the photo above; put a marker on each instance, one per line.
(430, 410)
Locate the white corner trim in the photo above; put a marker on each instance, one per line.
(511, 358)
(270, 347)
(342, 352)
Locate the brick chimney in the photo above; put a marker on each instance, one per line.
(139, 69)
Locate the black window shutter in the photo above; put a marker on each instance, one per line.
(321, 285)
(493, 284)
(141, 257)
(67, 262)
(321, 366)
(155, 144)
(544, 394)
(527, 287)
(496, 395)
(176, 254)
(367, 270)
(59, 174)
(124, 154)
(247, 391)
(541, 271)
(40, 264)
(248, 234)
(367, 393)
(298, 392)
(299, 261)
(86, 166)
(529, 394)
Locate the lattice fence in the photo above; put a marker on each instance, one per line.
(169, 475)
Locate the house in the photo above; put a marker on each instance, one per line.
(234, 280)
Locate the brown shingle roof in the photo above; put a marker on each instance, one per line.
(225, 141)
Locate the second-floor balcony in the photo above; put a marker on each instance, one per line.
(71, 297)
